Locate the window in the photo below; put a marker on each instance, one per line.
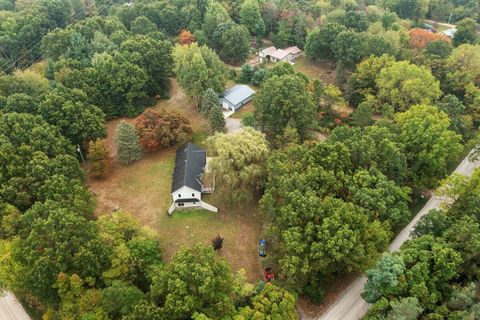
(193, 194)
(180, 204)
(194, 203)
(179, 195)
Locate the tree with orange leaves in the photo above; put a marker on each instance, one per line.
(162, 128)
(420, 38)
(186, 37)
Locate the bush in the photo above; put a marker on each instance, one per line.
(99, 160)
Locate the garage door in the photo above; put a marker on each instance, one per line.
(225, 105)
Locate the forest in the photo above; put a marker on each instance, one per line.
(402, 111)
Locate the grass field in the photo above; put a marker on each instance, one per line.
(324, 71)
(143, 189)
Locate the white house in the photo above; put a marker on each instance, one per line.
(187, 184)
(273, 54)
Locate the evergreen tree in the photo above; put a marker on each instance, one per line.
(216, 119)
(210, 99)
(128, 146)
(99, 161)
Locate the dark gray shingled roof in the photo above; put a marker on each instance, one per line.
(189, 165)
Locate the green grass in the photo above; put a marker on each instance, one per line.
(315, 69)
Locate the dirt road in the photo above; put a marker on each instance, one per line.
(11, 309)
(350, 305)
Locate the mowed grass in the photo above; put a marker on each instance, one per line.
(143, 189)
(321, 70)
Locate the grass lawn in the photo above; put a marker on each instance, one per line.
(322, 70)
(248, 108)
(143, 189)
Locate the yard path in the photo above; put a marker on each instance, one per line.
(350, 305)
(11, 309)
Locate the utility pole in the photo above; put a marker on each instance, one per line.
(80, 152)
(450, 18)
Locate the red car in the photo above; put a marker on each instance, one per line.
(268, 274)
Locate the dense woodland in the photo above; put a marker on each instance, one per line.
(330, 207)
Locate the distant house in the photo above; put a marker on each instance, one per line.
(189, 177)
(236, 97)
(449, 32)
(273, 54)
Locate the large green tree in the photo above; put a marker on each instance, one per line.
(70, 111)
(284, 101)
(430, 146)
(194, 281)
(320, 40)
(238, 163)
(403, 84)
(197, 69)
(251, 17)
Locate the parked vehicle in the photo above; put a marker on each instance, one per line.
(268, 274)
(262, 244)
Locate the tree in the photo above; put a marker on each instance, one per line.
(98, 158)
(466, 32)
(142, 25)
(119, 298)
(421, 38)
(32, 150)
(215, 15)
(113, 84)
(384, 279)
(216, 119)
(217, 243)
(403, 84)
(251, 18)
(180, 295)
(320, 40)
(347, 48)
(246, 73)
(235, 44)
(462, 70)
(373, 191)
(454, 108)
(186, 37)
(284, 101)
(197, 69)
(70, 111)
(406, 309)
(430, 146)
(248, 120)
(362, 83)
(439, 48)
(162, 128)
(127, 142)
(155, 59)
(209, 101)
(271, 303)
(237, 163)
(362, 116)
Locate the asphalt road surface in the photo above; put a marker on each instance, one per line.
(350, 305)
(11, 309)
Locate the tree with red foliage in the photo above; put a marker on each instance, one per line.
(162, 128)
(186, 37)
(420, 38)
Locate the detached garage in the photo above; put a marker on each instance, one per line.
(236, 97)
